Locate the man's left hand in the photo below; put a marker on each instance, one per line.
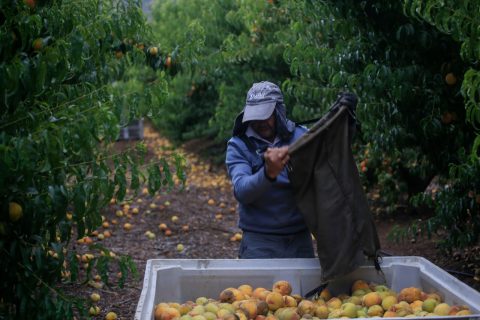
(349, 100)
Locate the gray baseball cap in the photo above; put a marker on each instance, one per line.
(261, 101)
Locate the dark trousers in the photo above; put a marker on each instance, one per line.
(267, 246)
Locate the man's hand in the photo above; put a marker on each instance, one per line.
(275, 160)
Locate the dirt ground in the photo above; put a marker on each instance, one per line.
(202, 218)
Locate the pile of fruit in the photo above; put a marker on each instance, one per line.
(366, 300)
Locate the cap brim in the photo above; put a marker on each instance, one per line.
(258, 112)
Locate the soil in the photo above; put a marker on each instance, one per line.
(206, 227)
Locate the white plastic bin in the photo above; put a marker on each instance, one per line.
(180, 280)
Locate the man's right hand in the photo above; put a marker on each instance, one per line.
(275, 160)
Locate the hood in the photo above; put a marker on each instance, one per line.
(261, 95)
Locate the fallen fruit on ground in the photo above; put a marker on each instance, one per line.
(150, 235)
(162, 226)
(94, 311)
(95, 297)
(236, 237)
(111, 316)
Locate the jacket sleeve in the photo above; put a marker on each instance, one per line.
(247, 186)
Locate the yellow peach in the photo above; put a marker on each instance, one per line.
(334, 303)
(321, 311)
(389, 301)
(359, 284)
(306, 307)
(289, 301)
(249, 308)
(442, 309)
(409, 294)
(246, 289)
(375, 311)
(390, 314)
(283, 287)
(371, 298)
(274, 300)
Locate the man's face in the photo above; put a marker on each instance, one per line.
(265, 128)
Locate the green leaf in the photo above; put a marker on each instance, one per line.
(475, 154)
(135, 181)
(154, 181)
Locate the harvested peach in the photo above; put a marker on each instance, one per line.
(260, 293)
(375, 311)
(228, 295)
(409, 294)
(274, 300)
(371, 298)
(262, 307)
(359, 284)
(246, 289)
(283, 287)
(389, 301)
(334, 303)
(169, 314)
(321, 311)
(249, 308)
(289, 301)
(442, 309)
(306, 307)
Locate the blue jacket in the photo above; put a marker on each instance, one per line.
(265, 206)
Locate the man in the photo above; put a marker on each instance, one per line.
(256, 159)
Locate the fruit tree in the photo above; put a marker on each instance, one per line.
(72, 74)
